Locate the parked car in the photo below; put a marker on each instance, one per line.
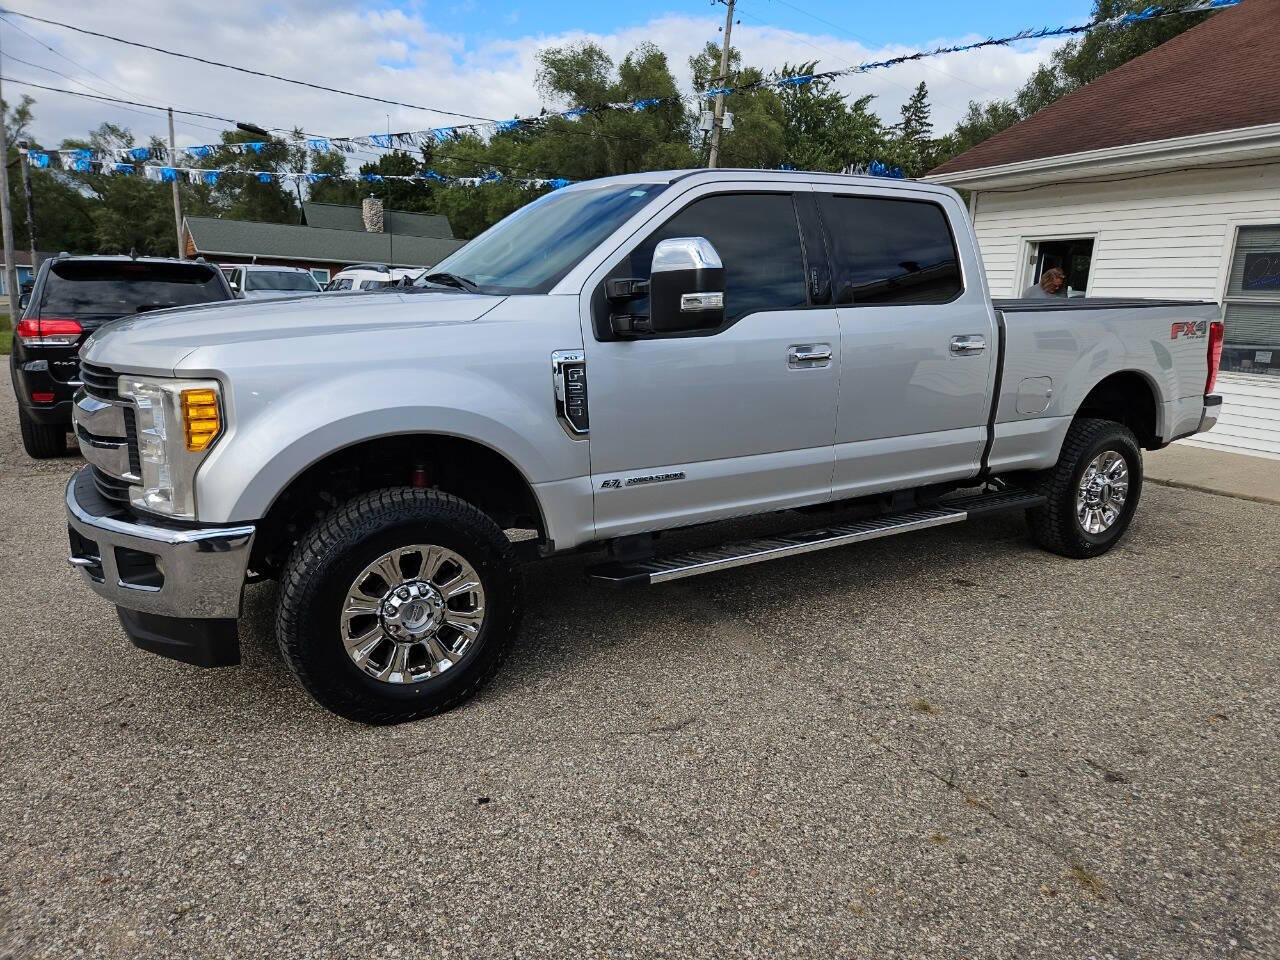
(754, 341)
(71, 298)
(372, 276)
(257, 281)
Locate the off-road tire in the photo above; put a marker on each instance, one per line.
(42, 441)
(1055, 526)
(323, 564)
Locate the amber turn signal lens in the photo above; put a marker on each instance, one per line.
(200, 418)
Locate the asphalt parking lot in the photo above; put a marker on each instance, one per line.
(947, 744)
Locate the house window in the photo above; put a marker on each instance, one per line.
(1252, 339)
(1072, 256)
(321, 274)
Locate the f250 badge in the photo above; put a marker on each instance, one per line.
(1189, 329)
(636, 481)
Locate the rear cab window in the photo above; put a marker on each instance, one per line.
(887, 251)
(120, 288)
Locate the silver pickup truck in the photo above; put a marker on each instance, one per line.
(620, 358)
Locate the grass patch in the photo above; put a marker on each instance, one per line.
(923, 706)
(6, 335)
(1086, 880)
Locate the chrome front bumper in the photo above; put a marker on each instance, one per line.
(169, 572)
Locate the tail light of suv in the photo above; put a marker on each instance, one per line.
(1215, 355)
(49, 331)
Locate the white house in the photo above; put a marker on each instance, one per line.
(1159, 179)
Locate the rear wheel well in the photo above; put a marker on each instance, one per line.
(1124, 398)
(468, 470)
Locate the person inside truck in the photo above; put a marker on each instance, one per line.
(1051, 283)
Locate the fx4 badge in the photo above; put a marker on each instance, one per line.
(1189, 329)
(636, 481)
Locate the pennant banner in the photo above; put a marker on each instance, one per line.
(410, 139)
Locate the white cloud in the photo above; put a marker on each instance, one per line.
(403, 57)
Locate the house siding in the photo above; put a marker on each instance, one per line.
(1156, 235)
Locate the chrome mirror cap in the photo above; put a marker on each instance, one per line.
(685, 253)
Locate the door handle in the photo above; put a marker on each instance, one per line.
(806, 355)
(968, 345)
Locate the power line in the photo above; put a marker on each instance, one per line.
(58, 53)
(132, 103)
(857, 36)
(247, 70)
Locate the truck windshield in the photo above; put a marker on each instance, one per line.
(531, 250)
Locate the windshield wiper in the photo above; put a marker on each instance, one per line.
(452, 280)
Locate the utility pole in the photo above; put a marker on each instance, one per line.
(25, 168)
(6, 222)
(718, 122)
(177, 204)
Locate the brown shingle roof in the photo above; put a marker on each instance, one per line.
(1222, 74)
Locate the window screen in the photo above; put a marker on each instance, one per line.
(1253, 301)
(758, 240)
(886, 251)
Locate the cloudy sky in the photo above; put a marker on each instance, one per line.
(472, 56)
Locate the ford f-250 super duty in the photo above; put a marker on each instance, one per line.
(619, 358)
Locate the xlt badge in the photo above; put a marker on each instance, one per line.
(569, 381)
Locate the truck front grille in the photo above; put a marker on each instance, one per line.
(99, 381)
(111, 488)
(131, 434)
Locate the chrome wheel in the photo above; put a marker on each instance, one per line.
(1103, 489)
(412, 614)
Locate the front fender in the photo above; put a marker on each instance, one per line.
(269, 443)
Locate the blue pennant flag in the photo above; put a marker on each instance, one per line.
(645, 104)
(201, 151)
(38, 158)
(442, 133)
(318, 143)
(123, 168)
(257, 146)
(81, 160)
(575, 113)
(559, 182)
(380, 139)
(211, 176)
(505, 125)
(374, 177)
(432, 175)
(316, 177)
(264, 177)
(168, 174)
(140, 153)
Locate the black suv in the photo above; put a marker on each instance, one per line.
(72, 297)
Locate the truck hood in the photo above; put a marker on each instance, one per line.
(157, 342)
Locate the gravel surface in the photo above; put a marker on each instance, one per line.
(947, 744)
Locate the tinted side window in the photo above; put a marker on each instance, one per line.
(758, 240)
(890, 251)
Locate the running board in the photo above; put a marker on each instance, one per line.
(728, 555)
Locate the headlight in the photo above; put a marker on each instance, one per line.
(178, 421)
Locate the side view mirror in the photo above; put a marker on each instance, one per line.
(685, 290)
(686, 286)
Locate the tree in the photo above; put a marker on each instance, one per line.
(914, 145)
(821, 130)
